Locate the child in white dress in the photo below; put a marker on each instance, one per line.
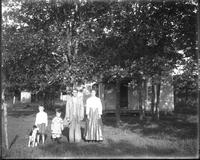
(57, 127)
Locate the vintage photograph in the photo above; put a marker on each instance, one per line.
(101, 79)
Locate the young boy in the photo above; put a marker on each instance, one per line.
(41, 122)
(57, 126)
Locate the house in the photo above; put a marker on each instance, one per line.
(129, 96)
(25, 97)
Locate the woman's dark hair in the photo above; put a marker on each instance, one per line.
(58, 110)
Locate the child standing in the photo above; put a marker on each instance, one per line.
(57, 126)
(41, 122)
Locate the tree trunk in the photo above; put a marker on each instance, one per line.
(5, 124)
(49, 98)
(4, 107)
(53, 99)
(186, 94)
(36, 97)
(117, 102)
(155, 100)
(145, 96)
(152, 100)
(14, 99)
(158, 100)
(46, 99)
(175, 95)
(140, 101)
(76, 49)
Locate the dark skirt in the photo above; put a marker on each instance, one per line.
(41, 128)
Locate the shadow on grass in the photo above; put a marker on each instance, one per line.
(111, 149)
(171, 126)
(20, 110)
(13, 141)
(65, 133)
(182, 130)
(21, 113)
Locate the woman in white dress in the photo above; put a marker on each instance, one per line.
(94, 122)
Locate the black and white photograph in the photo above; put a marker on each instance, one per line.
(100, 79)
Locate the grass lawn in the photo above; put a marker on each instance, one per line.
(170, 137)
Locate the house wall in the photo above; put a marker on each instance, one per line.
(107, 93)
(101, 94)
(132, 99)
(109, 97)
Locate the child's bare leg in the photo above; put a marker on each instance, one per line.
(38, 139)
(43, 138)
(29, 142)
(33, 144)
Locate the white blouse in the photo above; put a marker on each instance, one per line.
(93, 103)
(57, 125)
(41, 117)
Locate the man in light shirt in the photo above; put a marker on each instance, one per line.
(74, 114)
(41, 122)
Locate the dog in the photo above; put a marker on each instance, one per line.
(33, 136)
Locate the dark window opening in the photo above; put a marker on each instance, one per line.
(124, 95)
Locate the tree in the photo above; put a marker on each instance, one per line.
(147, 49)
(49, 36)
(4, 107)
(67, 43)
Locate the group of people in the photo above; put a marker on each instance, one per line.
(76, 112)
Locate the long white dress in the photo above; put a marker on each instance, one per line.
(75, 113)
(94, 122)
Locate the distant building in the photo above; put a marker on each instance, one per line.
(25, 97)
